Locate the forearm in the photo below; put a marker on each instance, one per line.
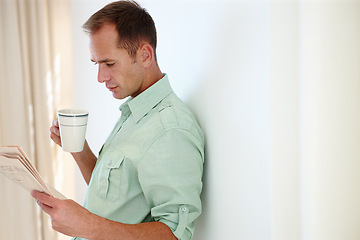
(71, 219)
(86, 161)
(104, 229)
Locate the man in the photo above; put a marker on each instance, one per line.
(146, 182)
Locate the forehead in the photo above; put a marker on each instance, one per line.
(107, 32)
(104, 42)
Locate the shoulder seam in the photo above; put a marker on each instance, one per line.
(168, 116)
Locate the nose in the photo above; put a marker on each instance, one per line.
(103, 74)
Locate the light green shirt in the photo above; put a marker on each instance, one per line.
(150, 167)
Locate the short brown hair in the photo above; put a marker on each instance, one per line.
(133, 24)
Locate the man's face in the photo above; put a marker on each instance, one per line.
(122, 74)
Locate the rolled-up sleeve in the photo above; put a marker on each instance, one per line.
(170, 174)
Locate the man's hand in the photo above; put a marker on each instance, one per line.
(71, 219)
(67, 216)
(55, 132)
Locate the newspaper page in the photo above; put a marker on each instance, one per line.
(15, 165)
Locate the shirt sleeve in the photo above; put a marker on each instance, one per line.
(170, 175)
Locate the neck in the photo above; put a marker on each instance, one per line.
(151, 76)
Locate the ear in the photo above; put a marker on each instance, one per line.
(147, 55)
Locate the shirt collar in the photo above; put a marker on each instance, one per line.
(147, 100)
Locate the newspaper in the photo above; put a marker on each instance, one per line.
(15, 165)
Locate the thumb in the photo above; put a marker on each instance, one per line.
(45, 201)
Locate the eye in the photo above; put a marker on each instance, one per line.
(110, 64)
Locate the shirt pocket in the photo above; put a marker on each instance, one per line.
(110, 174)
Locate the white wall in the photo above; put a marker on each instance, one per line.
(330, 107)
(275, 86)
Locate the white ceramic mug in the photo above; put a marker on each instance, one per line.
(72, 123)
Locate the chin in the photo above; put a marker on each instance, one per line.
(118, 96)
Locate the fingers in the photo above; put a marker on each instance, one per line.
(55, 132)
(45, 201)
(44, 207)
(43, 197)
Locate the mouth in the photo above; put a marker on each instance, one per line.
(111, 88)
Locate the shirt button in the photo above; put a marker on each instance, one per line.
(109, 162)
(184, 209)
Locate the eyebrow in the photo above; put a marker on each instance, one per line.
(103, 61)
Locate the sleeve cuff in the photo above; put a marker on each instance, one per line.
(180, 231)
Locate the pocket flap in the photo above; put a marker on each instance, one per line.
(114, 159)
